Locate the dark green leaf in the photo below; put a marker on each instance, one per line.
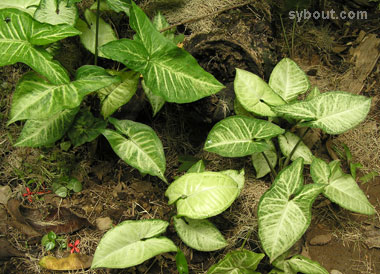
(181, 262)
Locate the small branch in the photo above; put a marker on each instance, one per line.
(97, 33)
(207, 15)
(295, 148)
(274, 173)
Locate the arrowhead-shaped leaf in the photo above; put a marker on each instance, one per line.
(201, 235)
(137, 145)
(288, 80)
(237, 262)
(259, 162)
(116, 95)
(254, 94)
(320, 171)
(288, 141)
(239, 136)
(131, 243)
(28, 6)
(202, 195)
(156, 101)
(168, 71)
(56, 12)
(285, 210)
(87, 38)
(38, 99)
(38, 133)
(333, 112)
(20, 35)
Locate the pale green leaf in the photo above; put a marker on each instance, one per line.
(116, 95)
(313, 93)
(38, 133)
(345, 192)
(38, 99)
(336, 170)
(254, 94)
(285, 210)
(56, 12)
(288, 80)
(156, 101)
(320, 171)
(20, 35)
(87, 38)
(138, 145)
(333, 112)
(240, 110)
(202, 195)
(237, 262)
(168, 71)
(120, 5)
(238, 176)
(201, 235)
(28, 6)
(288, 141)
(260, 164)
(197, 167)
(239, 136)
(103, 6)
(131, 243)
(302, 264)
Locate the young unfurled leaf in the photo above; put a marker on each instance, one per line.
(181, 262)
(190, 192)
(56, 12)
(197, 167)
(156, 101)
(313, 93)
(237, 262)
(20, 36)
(288, 80)
(201, 235)
(239, 136)
(285, 210)
(87, 38)
(136, 240)
(138, 145)
(288, 141)
(168, 71)
(254, 94)
(334, 112)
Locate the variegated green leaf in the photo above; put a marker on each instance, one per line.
(240, 110)
(302, 264)
(237, 175)
(20, 35)
(116, 95)
(38, 133)
(56, 12)
(160, 23)
(201, 235)
(333, 112)
(202, 195)
(260, 164)
(320, 171)
(313, 93)
(36, 99)
(138, 145)
(239, 136)
(87, 38)
(237, 262)
(285, 210)
(156, 101)
(168, 71)
(136, 240)
(120, 5)
(288, 141)
(288, 80)
(28, 6)
(254, 94)
(197, 167)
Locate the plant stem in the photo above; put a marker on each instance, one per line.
(274, 173)
(245, 240)
(97, 33)
(286, 37)
(293, 34)
(295, 148)
(207, 15)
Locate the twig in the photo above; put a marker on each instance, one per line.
(207, 15)
(295, 148)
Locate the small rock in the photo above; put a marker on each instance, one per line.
(103, 223)
(5, 194)
(321, 239)
(334, 271)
